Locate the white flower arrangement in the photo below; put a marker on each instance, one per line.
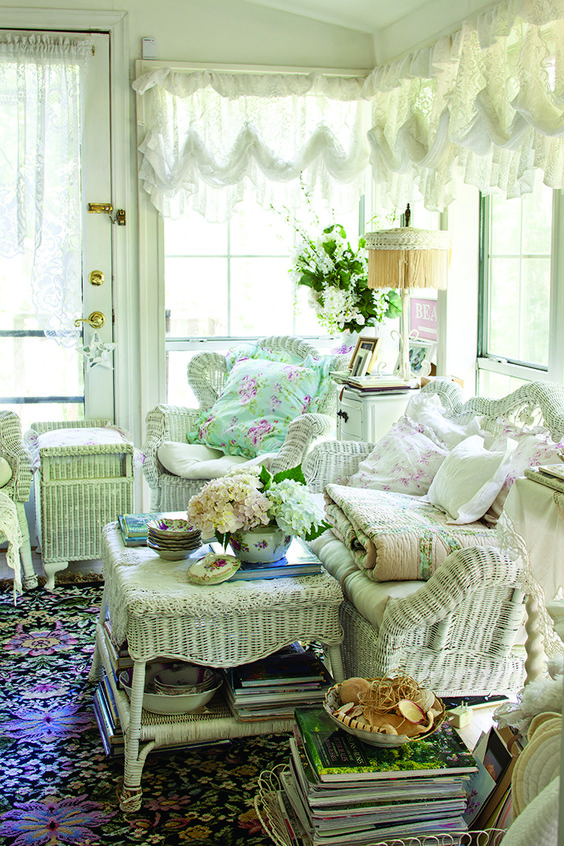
(337, 275)
(244, 501)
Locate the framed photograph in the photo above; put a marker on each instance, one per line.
(364, 356)
(420, 354)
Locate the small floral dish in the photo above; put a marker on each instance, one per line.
(213, 569)
(384, 712)
(181, 679)
(169, 525)
(162, 703)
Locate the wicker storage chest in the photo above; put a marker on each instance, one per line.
(78, 489)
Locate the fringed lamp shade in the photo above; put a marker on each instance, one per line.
(406, 258)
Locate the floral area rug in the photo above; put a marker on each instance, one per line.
(56, 784)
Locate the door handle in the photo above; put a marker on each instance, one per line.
(95, 319)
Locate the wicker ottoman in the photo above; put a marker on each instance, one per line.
(79, 487)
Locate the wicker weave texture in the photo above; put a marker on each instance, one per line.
(78, 489)
(15, 452)
(206, 375)
(455, 633)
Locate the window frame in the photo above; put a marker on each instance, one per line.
(495, 364)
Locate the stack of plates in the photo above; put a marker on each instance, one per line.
(172, 539)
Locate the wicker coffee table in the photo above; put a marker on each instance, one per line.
(152, 605)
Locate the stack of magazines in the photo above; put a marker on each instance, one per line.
(339, 790)
(271, 688)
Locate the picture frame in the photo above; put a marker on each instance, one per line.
(420, 354)
(364, 355)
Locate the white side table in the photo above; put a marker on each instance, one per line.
(367, 415)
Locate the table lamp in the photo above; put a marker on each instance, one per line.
(406, 258)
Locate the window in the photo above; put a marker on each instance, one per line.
(515, 290)
(227, 281)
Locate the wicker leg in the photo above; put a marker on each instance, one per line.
(130, 794)
(336, 661)
(52, 567)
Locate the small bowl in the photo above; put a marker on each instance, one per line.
(375, 738)
(183, 679)
(161, 703)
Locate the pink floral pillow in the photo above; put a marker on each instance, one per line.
(405, 461)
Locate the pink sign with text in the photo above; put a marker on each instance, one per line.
(423, 318)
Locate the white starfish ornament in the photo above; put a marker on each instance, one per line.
(97, 353)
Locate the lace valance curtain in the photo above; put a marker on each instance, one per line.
(40, 192)
(482, 106)
(209, 136)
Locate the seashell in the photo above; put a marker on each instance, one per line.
(425, 699)
(376, 719)
(411, 711)
(352, 689)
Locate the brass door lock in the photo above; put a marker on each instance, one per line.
(96, 320)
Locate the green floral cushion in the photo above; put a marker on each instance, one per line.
(259, 400)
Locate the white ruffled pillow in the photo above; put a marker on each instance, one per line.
(469, 479)
(428, 411)
(404, 460)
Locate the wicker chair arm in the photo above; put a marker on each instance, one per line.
(206, 374)
(476, 584)
(331, 461)
(16, 453)
(302, 432)
(164, 423)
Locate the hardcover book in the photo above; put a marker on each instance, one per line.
(135, 525)
(336, 755)
(549, 481)
(281, 669)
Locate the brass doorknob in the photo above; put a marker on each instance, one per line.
(96, 277)
(96, 319)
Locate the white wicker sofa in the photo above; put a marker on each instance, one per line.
(452, 615)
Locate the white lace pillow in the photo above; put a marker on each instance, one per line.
(404, 460)
(469, 479)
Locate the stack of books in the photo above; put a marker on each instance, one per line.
(134, 527)
(271, 688)
(550, 475)
(338, 789)
(298, 561)
(386, 384)
(107, 717)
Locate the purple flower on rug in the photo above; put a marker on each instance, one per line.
(53, 821)
(43, 690)
(40, 641)
(48, 725)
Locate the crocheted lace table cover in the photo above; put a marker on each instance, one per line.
(10, 529)
(138, 582)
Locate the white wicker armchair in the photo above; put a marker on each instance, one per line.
(206, 375)
(457, 629)
(18, 486)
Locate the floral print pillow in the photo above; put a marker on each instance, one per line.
(259, 400)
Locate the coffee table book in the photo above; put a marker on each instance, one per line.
(134, 527)
(335, 755)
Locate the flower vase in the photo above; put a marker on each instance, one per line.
(261, 545)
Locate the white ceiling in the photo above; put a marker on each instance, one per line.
(396, 25)
(369, 16)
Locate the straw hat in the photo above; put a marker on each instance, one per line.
(539, 762)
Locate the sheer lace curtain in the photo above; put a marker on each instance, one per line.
(40, 193)
(482, 106)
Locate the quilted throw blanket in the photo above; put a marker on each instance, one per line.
(397, 537)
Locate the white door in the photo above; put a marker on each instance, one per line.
(98, 235)
(41, 380)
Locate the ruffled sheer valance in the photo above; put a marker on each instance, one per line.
(40, 190)
(211, 135)
(482, 106)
